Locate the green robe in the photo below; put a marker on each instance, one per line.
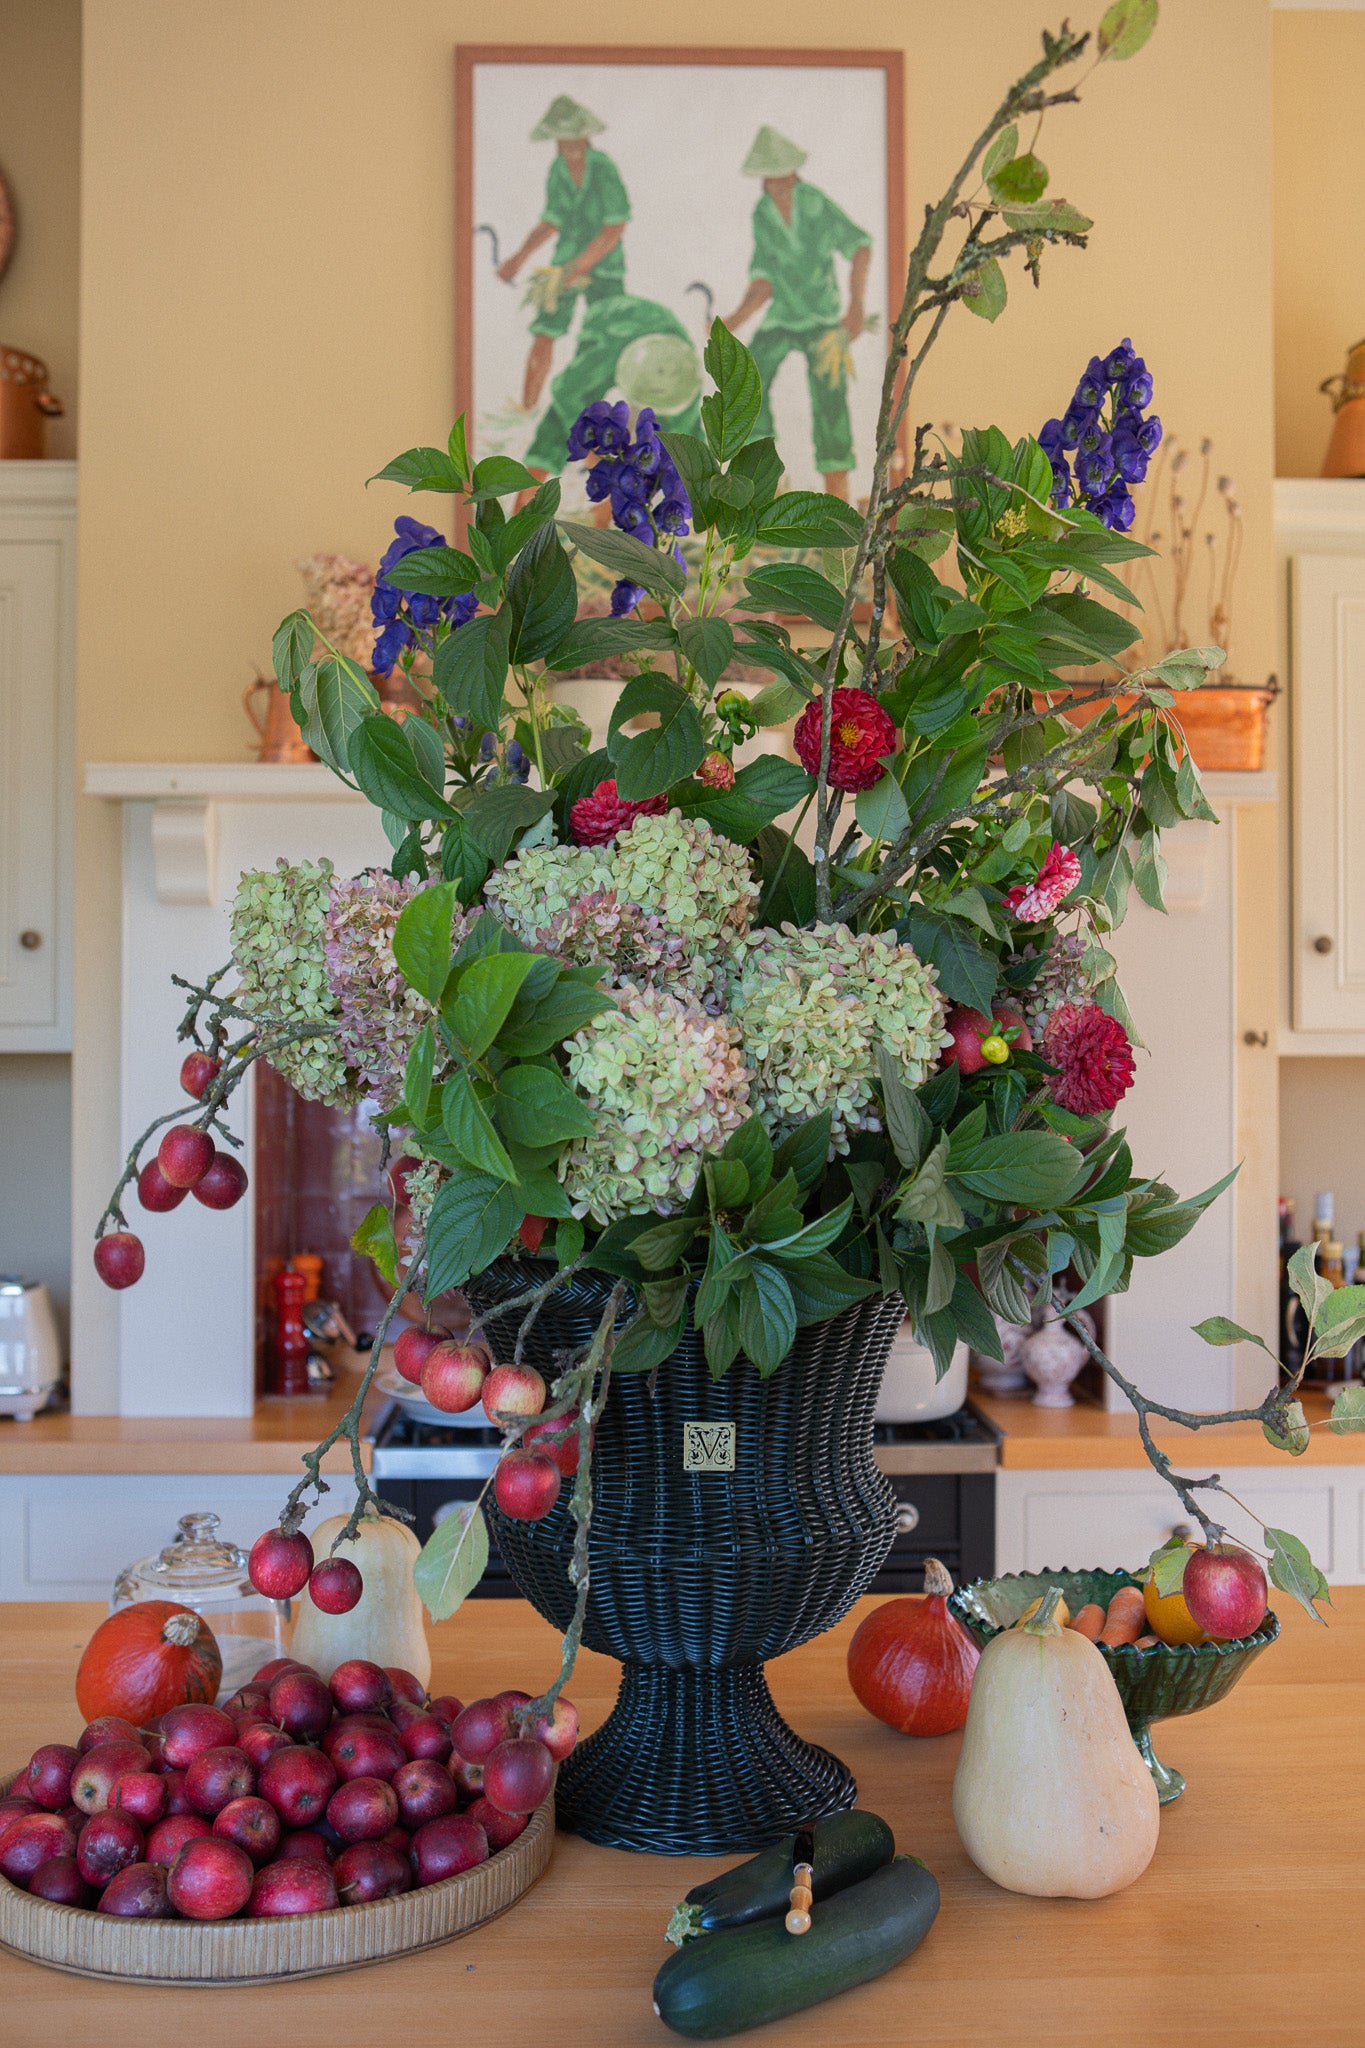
(579, 213)
(609, 326)
(797, 261)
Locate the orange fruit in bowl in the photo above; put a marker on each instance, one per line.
(1169, 1617)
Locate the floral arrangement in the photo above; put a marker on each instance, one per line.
(756, 1041)
(337, 592)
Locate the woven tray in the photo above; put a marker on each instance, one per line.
(88, 1944)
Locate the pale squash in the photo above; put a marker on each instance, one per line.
(1051, 1796)
(385, 1625)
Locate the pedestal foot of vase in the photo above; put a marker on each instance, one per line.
(1170, 1783)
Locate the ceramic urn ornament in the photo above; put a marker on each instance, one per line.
(1346, 449)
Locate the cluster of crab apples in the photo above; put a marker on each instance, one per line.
(454, 1374)
(295, 1796)
(187, 1163)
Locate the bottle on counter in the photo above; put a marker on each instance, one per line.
(1293, 1322)
(1324, 1218)
(1331, 1262)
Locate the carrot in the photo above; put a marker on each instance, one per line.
(1146, 1642)
(1089, 1621)
(1126, 1619)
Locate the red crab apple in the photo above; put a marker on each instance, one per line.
(359, 1687)
(518, 1775)
(138, 1892)
(445, 1707)
(406, 1684)
(558, 1729)
(454, 1375)
(186, 1732)
(279, 1565)
(363, 1809)
(155, 1192)
(60, 1880)
(223, 1182)
(469, 1777)
(371, 1870)
(526, 1485)
(143, 1794)
(367, 1752)
(402, 1711)
(47, 1781)
(302, 1842)
(169, 1836)
(185, 1155)
(413, 1348)
(514, 1699)
(210, 1879)
(559, 1438)
(513, 1390)
(15, 1806)
(447, 1846)
(268, 1673)
(249, 1703)
(970, 1029)
(119, 1258)
(501, 1828)
(108, 1842)
(260, 1740)
(1225, 1591)
(477, 1731)
(30, 1841)
(298, 1783)
(252, 1824)
(424, 1735)
(176, 1802)
(217, 1777)
(349, 1724)
(99, 1769)
(198, 1072)
(424, 1791)
(335, 1585)
(107, 1728)
(299, 1884)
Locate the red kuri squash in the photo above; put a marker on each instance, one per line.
(145, 1659)
(910, 1662)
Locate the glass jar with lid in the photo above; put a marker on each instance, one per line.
(200, 1570)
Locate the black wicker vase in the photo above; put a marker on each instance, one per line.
(698, 1576)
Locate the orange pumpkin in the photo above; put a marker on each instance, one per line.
(911, 1662)
(145, 1659)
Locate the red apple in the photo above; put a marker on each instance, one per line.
(47, 1781)
(445, 1707)
(335, 1585)
(412, 1350)
(558, 1730)
(425, 1791)
(406, 1684)
(1010, 1018)
(425, 1736)
(108, 1728)
(368, 1753)
(252, 1824)
(518, 1775)
(250, 1702)
(60, 1880)
(119, 1258)
(176, 1802)
(138, 1892)
(350, 1724)
(402, 1711)
(966, 1028)
(169, 1836)
(298, 1783)
(447, 1846)
(30, 1841)
(198, 1072)
(279, 1565)
(559, 1438)
(371, 1870)
(222, 1184)
(303, 1842)
(468, 1777)
(453, 1376)
(155, 1192)
(271, 1671)
(363, 1809)
(526, 1485)
(300, 1884)
(186, 1732)
(97, 1772)
(14, 1806)
(184, 1155)
(301, 1704)
(143, 1794)
(261, 1739)
(359, 1687)
(1225, 1591)
(210, 1879)
(477, 1732)
(398, 1838)
(501, 1828)
(108, 1842)
(513, 1390)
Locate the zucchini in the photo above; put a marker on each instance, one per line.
(848, 1846)
(743, 1976)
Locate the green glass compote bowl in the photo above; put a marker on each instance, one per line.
(1154, 1684)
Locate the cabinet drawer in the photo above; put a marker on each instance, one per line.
(1112, 1528)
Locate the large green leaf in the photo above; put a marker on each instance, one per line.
(809, 519)
(709, 644)
(483, 998)
(470, 669)
(1047, 217)
(542, 597)
(343, 695)
(592, 640)
(424, 469)
(761, 792)
(793, 587)
(434, 572)
(540, 1020)
(647, 762)
(1028, 1168)
(386, 767)
(628, 557)
(501, 814)
(453, 1560)
(881, 811)
(536, 1106)
(497, 476)
(421, 939)
(928, 1198)
(471, 1221)
(966, 972)
(767, 1316)
(468, 1127)
(729, 413)
(506, 541)
(373, 1238)
(291, 650)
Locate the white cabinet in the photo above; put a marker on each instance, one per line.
(1327, 611)
(37, 633)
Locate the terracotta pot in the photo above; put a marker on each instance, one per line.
(1223, 723)
(1346, 449)
(26, 406)
(279, 735)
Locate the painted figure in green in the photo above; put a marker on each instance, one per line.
(798, 231)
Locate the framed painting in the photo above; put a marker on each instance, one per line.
(609, 203)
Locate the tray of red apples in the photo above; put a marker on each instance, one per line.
(301, 1826)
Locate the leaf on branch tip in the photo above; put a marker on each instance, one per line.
(1125, 27)
(1293, 1435)
(452, 1560)
(1168, 1566)
(1348, 1411)
(1293, 1571)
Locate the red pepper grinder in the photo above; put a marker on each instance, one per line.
(288, 1371)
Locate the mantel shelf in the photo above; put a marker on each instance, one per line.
(246, 782)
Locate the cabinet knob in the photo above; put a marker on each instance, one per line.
(1322, 943)
(30, 941)
(907, 1517)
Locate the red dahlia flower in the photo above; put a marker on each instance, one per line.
(595, 820)
(861, 733)
(1092, 1050)
(1032, 901)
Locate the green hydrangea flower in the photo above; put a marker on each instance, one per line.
(695, 881)
(278, 926)
(540, 886)
(812, 1006)
(665, 1084)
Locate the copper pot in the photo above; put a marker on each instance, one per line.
(1224, 723)
(26, 406)
(276, 728)
(1346, 449)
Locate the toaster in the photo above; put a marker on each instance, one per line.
(30, 1355)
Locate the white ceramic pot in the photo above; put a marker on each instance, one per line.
(30, 1354)
(910, 1392)
(1052, 1356)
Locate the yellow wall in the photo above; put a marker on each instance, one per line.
(40, 118)
(1319, 88)
(266, 318)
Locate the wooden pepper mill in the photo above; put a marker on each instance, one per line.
(803, 1881)
(288, 1370)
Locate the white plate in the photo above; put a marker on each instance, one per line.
(390, 1381)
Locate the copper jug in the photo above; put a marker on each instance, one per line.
(1346, 449)
(26, 406)
(276, 728)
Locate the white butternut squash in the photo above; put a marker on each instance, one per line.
(385, 1625)
(1051, 1796)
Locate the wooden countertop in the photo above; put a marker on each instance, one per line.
(1088, 1438)
(1248, 1929)
(271, 1440)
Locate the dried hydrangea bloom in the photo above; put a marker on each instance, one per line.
(535, 889)
(812, 1007)
(665, 1084)
(697, 882)
(380, 1013)
(1063, 980)
(337, 592)
(278, 928)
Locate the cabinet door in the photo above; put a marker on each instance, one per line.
(1329, 777)
(32, 938)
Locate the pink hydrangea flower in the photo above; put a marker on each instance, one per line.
(1032, 901)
